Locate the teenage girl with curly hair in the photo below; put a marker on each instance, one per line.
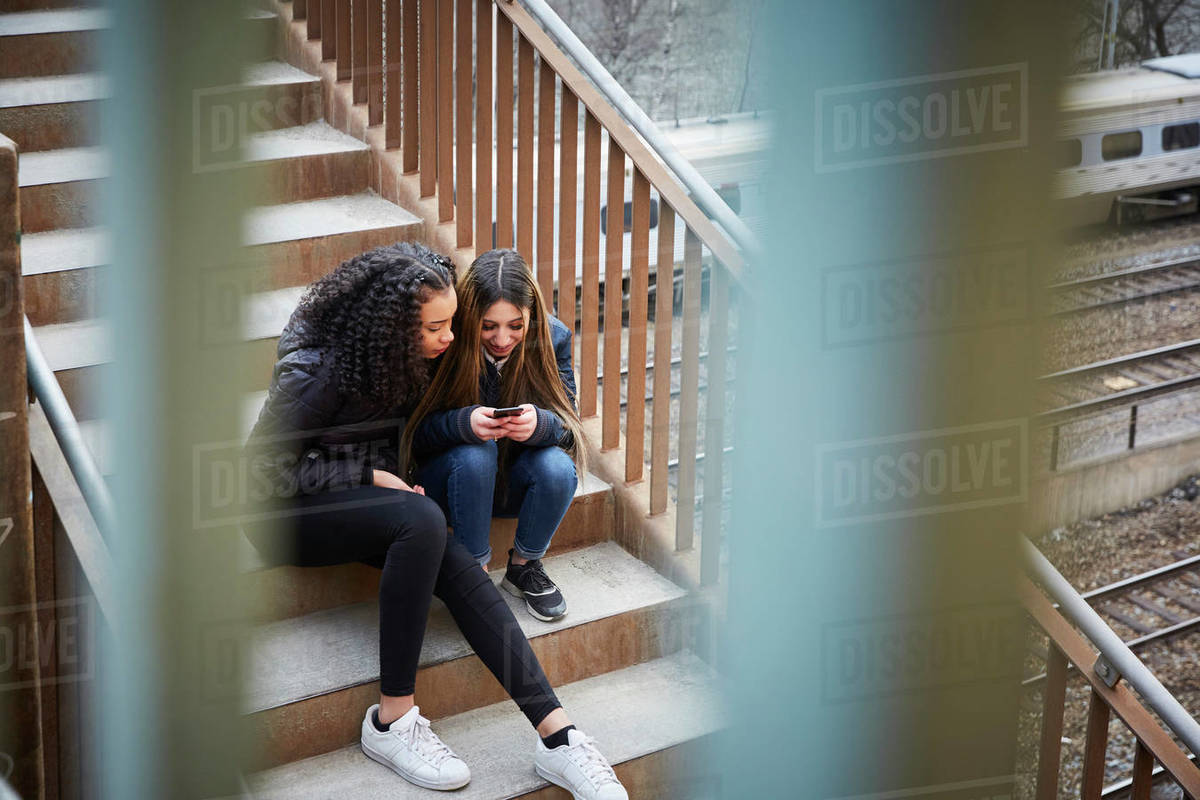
(352, 362)
(512, 353)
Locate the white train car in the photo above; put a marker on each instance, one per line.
(1130, 142)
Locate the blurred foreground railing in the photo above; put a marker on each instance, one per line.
(453, 82)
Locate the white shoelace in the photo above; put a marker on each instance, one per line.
(594, 765)
(426, 743)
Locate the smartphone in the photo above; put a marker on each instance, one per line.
(514, 411)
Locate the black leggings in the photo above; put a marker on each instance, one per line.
(404, 534)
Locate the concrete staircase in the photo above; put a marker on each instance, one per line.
(620, 659)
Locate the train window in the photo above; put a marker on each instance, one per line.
(1121, 145)
(1070, 153)
(1181, 137)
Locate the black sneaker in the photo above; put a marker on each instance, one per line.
(530, 582)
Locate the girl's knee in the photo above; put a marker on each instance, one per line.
(553, 468)
(474, 459)
(423, 525)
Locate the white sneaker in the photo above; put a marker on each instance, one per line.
(579, 768)
(414, 751)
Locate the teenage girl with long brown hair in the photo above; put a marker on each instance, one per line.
(511, 353)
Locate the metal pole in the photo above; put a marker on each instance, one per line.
(1135, 673)
(1110, 33)
(704, 195)
(70, 438)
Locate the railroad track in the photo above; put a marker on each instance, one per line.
(1119, 381)
(1121, 286)
(1153, 606)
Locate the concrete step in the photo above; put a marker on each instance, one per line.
(307, 162)
(308, 679)
(643, 716)
(52, 112)
(295, 242)
(52, 41)
(61, 271)
(60, 188)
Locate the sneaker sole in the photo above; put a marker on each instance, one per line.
(516, 592)
(371, 754)
(554, 779)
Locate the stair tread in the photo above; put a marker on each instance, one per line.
(327, 216)
(315, 138)
(62, 166)
(44, 90)
(660, 704)
(64, 249)
(54, 20)
(336, 648)
(265, 73)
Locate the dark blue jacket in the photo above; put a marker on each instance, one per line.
(442, 430)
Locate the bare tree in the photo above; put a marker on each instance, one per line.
(1144, 29)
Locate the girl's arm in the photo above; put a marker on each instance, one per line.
(301, 402)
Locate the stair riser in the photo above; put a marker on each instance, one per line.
(685, 770)
(64, 296)
(49, 206)
(7, 6)
(290, 180)
(50, 126)
(223, 117)
(82, 390)
(299, 262)
(41, 54)
(294, 591)
(327, 722)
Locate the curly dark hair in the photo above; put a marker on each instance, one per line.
(368, 311)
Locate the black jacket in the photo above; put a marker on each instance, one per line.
(307, 438)
(442, 430)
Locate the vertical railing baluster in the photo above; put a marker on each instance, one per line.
(463, 124)
(445, 110)
(568, 183)
(525, 207)
(410, 124)
(545, 182)
(393, 123)
(375, 62)
(714, 424)
(664, 311)
(589, 346)
(1143, 772)
(342, 14)
(483, 126)
(314, 20)
(1092, 784)
(639, 296)
(689, 386)
(504, 131)
(329, 30)
(613, 277)
(358, 56)
(428, 82)
(1054, 694)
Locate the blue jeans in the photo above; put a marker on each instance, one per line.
(541, 485)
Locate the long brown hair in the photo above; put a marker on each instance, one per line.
(530, 374)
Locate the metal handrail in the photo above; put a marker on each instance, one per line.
(702, 194)
(66, 430)
(1072, 606)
